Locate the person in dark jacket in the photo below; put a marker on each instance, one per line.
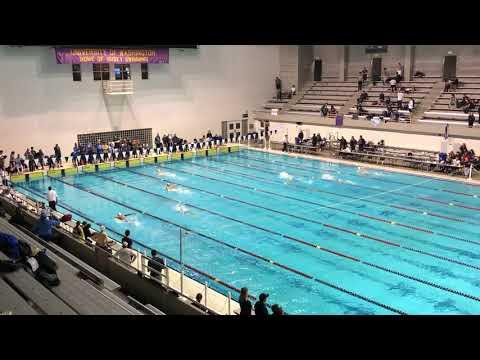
(44, 226)
(277, 310)
(261, 305)
(353, 143)
(9, 245)
(471, 119)
(343, 143)
(245, 304)
(361, 143)
(157, 264)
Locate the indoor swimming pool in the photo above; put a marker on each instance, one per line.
(319, 237)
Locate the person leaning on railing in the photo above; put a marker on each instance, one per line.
(245, 303)
(157, 264)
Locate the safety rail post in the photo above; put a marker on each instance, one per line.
(206, 292)
(229, 303)
(181, 282)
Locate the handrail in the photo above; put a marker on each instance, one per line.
(36, 209)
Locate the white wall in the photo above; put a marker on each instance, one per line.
(429, 58)
(40, 105)
(421, 142)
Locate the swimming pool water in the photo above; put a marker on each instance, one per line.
(328, 238)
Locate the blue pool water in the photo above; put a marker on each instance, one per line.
(320, 238)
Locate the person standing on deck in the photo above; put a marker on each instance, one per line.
(52, 198)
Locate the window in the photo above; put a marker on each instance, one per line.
(122, 71)
(231, 126)
(101, 72)
(76, 72)
(237, 126)
(144, 71)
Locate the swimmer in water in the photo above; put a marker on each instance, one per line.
(362, 170)
(181, 208)
(161, 173)
(286, 176)
(170, 187)
(122, 217)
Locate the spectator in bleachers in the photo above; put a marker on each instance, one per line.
(353, 144)
(400, 96)
(400, 72)
(126, 255)
(127, 239)
(261, 305)
(343, 143)
(453, 102)
(364, 74)
(156, 263)
(411, 105)
(393, 85)
(293, 90)
(448, 84)
(78, 231)
(324, 110)
(44, 227)
(314, 140)
(244, 302)
(381, 97)
(277, 310)
(333, 111)
(278, 87)
(471, 119)
(360, 81)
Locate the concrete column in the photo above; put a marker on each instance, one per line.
(408, 61)
(341, 62)
(288, 66)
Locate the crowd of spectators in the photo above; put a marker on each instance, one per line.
(119, 149)
(30, 161)
(463, 157)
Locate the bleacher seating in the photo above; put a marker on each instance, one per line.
(372, 105)
(441, 111)
(76, 293)
(275, 103)
(335, 93)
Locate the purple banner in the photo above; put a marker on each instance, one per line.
(115, 56)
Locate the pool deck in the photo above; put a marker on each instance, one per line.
(366, 165)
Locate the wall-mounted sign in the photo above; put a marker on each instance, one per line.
(110, 55)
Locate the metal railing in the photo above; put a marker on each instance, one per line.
(142, 261)
(118, 87)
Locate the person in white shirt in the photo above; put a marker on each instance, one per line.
(400, 96)
(411, 104)
(3, 175)
(294, 90)
(393, 85)
(52, 198)
(125, 254)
